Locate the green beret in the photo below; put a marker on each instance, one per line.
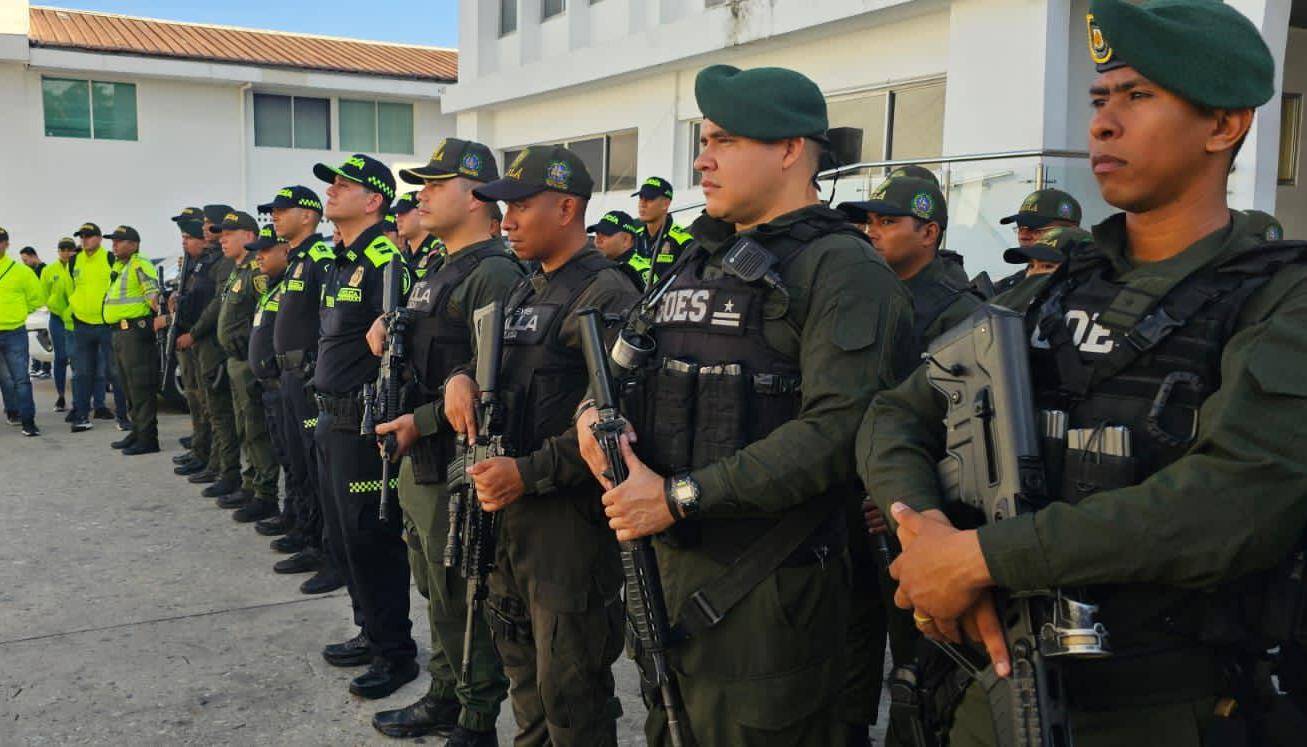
(1202, 50)
(763, 103)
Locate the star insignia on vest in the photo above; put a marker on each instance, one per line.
(557, 175)
(471, 164)
(923, 206)
(261, 284)
(299, 270)
(356, 278)
(1064, 210)
(1099, 51)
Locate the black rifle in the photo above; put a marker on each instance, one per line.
(170, 338)
(381, 400)
(473, 532)
(646, 609)
(993, 465)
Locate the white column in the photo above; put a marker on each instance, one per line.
(1253, 183)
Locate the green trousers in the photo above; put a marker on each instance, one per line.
(201, 432)
(262, 470)
(556, 614)
(225, 454)
(426, 527)
(136, 352)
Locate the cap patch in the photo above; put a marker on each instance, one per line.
(1099, 51)
(515, 169)
(356, 162)
(1064, 210)
(923, 206)
(471, 164)
(1274, 233)
(558, 174)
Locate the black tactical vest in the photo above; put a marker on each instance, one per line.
(543, 381)
(300, 301)
(198, 288)
(438, 342)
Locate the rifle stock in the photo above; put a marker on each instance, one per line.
(381, 401)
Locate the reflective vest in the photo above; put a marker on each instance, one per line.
(131, 285)
(90, 273)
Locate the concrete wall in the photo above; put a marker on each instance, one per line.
(195, 145)
(1291, 201)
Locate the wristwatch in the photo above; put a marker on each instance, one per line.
(682, 492)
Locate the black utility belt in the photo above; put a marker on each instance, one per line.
(1146, 678)
(126, 325)
(295, 360)
(344, 407)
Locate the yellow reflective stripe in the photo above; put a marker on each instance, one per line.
(370, 486)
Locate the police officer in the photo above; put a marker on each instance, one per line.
(905, 219)
(662, 241)
(555, 604)
(129, 306)
(95, 371)
(349, 468)
(55, 285)
(755, 392)
(1175, 540)
(420, 248)
(1041, 211)
(296, 214)
(20, 295)
(257, 497)
(194, 292)
(478, 270)
(615, 236)
(224, 467)
(1046, 253)
(271, 254)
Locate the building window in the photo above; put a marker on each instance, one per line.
(292, 122)
(1290, 138)
(551, 8)
(507, 17)
(89, 109)
(696, 147)
(376, 126)
(610, 158)
(898, 124)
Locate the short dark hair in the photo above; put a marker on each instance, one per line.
(27, 250)
(920, 224)
(495, 213)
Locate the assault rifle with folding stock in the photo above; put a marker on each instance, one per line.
(993, 465)
(473, 533)
(381, 400)
(170, 337)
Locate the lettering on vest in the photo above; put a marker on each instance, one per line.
(527, 325)
(701, 306)
(421, 297)
(1088, 335)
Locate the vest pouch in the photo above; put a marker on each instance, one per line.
(553, 400)
(431, 457)
(1086, 472)
(774, 401)
(722, 402)
(673, 399)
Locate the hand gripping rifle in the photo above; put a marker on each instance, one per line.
(993, 465)
(170, 338)
(473, 533)
(381, 400)
(646, 609)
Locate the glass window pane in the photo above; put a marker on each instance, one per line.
(1290, 137)
(918, 123)
(507, 16)
(312, 123)
(394, 128)
(67, 107)
(695, 149)
(114, 108)
(622, 155)
(867, 113)
(550, 8)
(591, 153)
(272, 128)
(358, 126)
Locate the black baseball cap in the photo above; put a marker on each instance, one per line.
(192, 228)
(67, 243)
(1054, 246)
(406, 202)
(904, 195)
(536, 169)
(361, 169)
(188, 213)
(654, 187)
(914, 171)
(214, 214)
(454, 157)
(87, 229)
(238, 220)
(389, 220)
(267, 239)
(614, 222)
(293, 197)
(123, 233)
(1044, 206)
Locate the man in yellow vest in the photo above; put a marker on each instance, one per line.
(129, 308)
(94, 368)
(56, 284)
(20, 295)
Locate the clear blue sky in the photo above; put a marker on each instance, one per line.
(430, 22)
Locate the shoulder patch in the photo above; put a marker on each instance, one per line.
(261, 283)
(320, 251)
(380, 251)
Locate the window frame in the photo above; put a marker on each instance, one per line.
(509, 31)
(600, 179)
(1291, 110)
(545, 15)
(92, 130)
(294, 138)
(376, 106)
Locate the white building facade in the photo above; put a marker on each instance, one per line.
(992, 94)
(123, 137)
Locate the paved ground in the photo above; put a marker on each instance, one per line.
(132, 611)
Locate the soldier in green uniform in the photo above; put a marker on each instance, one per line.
(257, 497)
(224, 467)
(271, 253)
(190, 222)
(1042, 211)
(478, 270)
(1045, 254)
(1175, 544)
(615, 236)
(661, 241)
(555, 603)
(754, 394)
(129, 307)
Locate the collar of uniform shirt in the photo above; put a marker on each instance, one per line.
(302, 249)
(349, 254)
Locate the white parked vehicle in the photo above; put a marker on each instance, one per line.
(38, 336)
